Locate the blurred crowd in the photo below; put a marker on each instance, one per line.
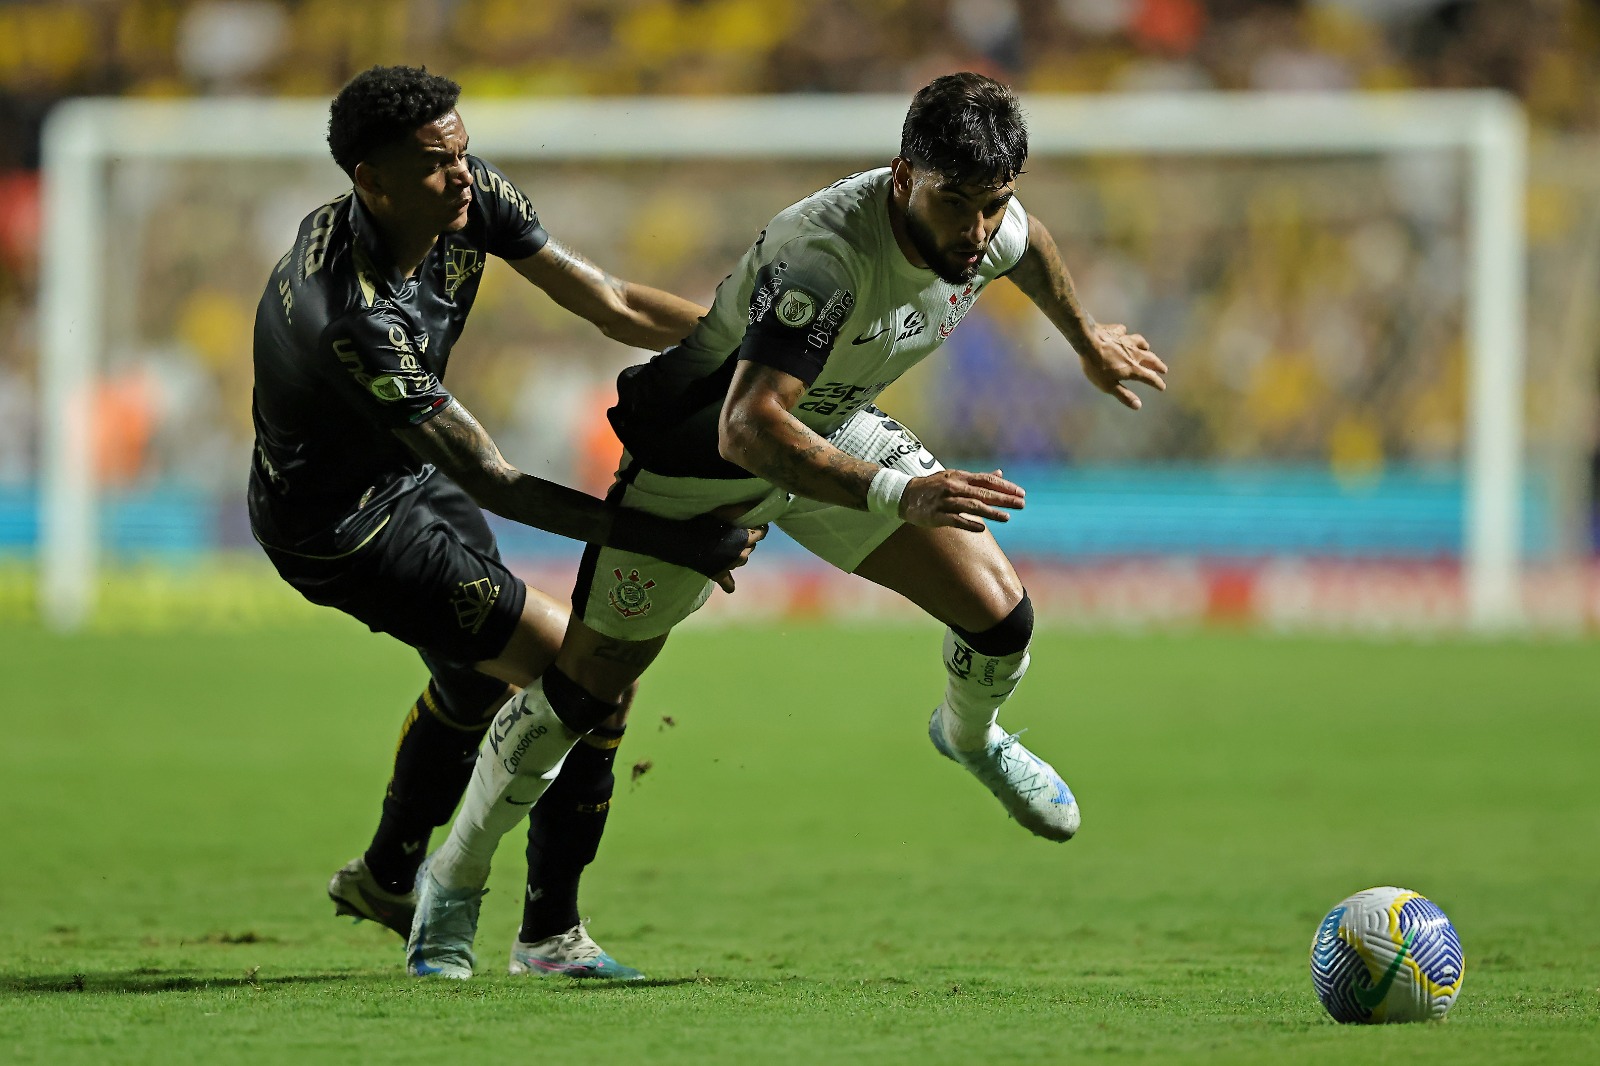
(1312, 310)
(1543, 50)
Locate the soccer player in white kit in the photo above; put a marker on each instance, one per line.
(765, 412)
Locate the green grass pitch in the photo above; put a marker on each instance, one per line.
(802, 876)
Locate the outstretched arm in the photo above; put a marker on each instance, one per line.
(624, 311)
(454, 442)
(1110, 355)
(757, 431)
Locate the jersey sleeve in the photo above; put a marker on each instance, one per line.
(798, 304)
(375, 360)
(1010, 241)
(514, 228)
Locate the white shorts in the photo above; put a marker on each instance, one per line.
(629, 596)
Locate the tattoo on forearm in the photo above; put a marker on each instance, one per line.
(792, 465)
(575, 263)
(1043, 278)
(458, 442)
(453, 441)
(795, 463)
(775, 445)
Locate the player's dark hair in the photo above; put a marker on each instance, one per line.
(968, 128)
(381, 105)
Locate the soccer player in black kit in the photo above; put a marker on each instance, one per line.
(368, 476)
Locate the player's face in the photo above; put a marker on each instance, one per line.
(951, 223)
(424, 181)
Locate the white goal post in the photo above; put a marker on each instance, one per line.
(83, 137)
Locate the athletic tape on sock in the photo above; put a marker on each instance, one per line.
(578, 711)
(1011, 634)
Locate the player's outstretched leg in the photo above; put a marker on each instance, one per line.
(564, 833)
(522, 754)
(983, 670)
(432, 763)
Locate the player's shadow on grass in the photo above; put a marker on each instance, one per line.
(590, 985)
(147, 982)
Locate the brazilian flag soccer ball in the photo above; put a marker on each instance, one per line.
(1387, 955)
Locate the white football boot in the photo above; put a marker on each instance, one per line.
(1028, 787)
(356, 893)
(442, 932)
(573, 954)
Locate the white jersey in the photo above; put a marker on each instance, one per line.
(825, 294)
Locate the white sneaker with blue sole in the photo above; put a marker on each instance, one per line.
(442, 932)
(1028, 787)
(570, 954)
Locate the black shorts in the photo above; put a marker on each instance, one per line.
(432, 578)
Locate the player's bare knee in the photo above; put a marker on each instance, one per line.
(1006, 593)
(988, 600)
(531, 648)
(606, 667)
(598, 678)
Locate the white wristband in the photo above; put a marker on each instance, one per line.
(883, 495)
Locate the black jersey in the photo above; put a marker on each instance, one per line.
(347, 350)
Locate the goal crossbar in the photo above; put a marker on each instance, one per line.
(83, 137)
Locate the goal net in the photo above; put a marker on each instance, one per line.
(1337, 283)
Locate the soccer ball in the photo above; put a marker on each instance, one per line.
(1387, 955)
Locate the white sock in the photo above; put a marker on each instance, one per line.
(521, 754)
(976, 687)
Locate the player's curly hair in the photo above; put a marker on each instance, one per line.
(968, 128)
(381, 105)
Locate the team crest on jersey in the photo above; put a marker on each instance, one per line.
(631, 595)
(388, 388)
(960, 304)
(795, 308)
(459, 267)
(473, 601)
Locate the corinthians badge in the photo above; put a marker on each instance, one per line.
(631, 595)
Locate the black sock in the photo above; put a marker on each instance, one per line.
(432, 765)
(564, 830)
